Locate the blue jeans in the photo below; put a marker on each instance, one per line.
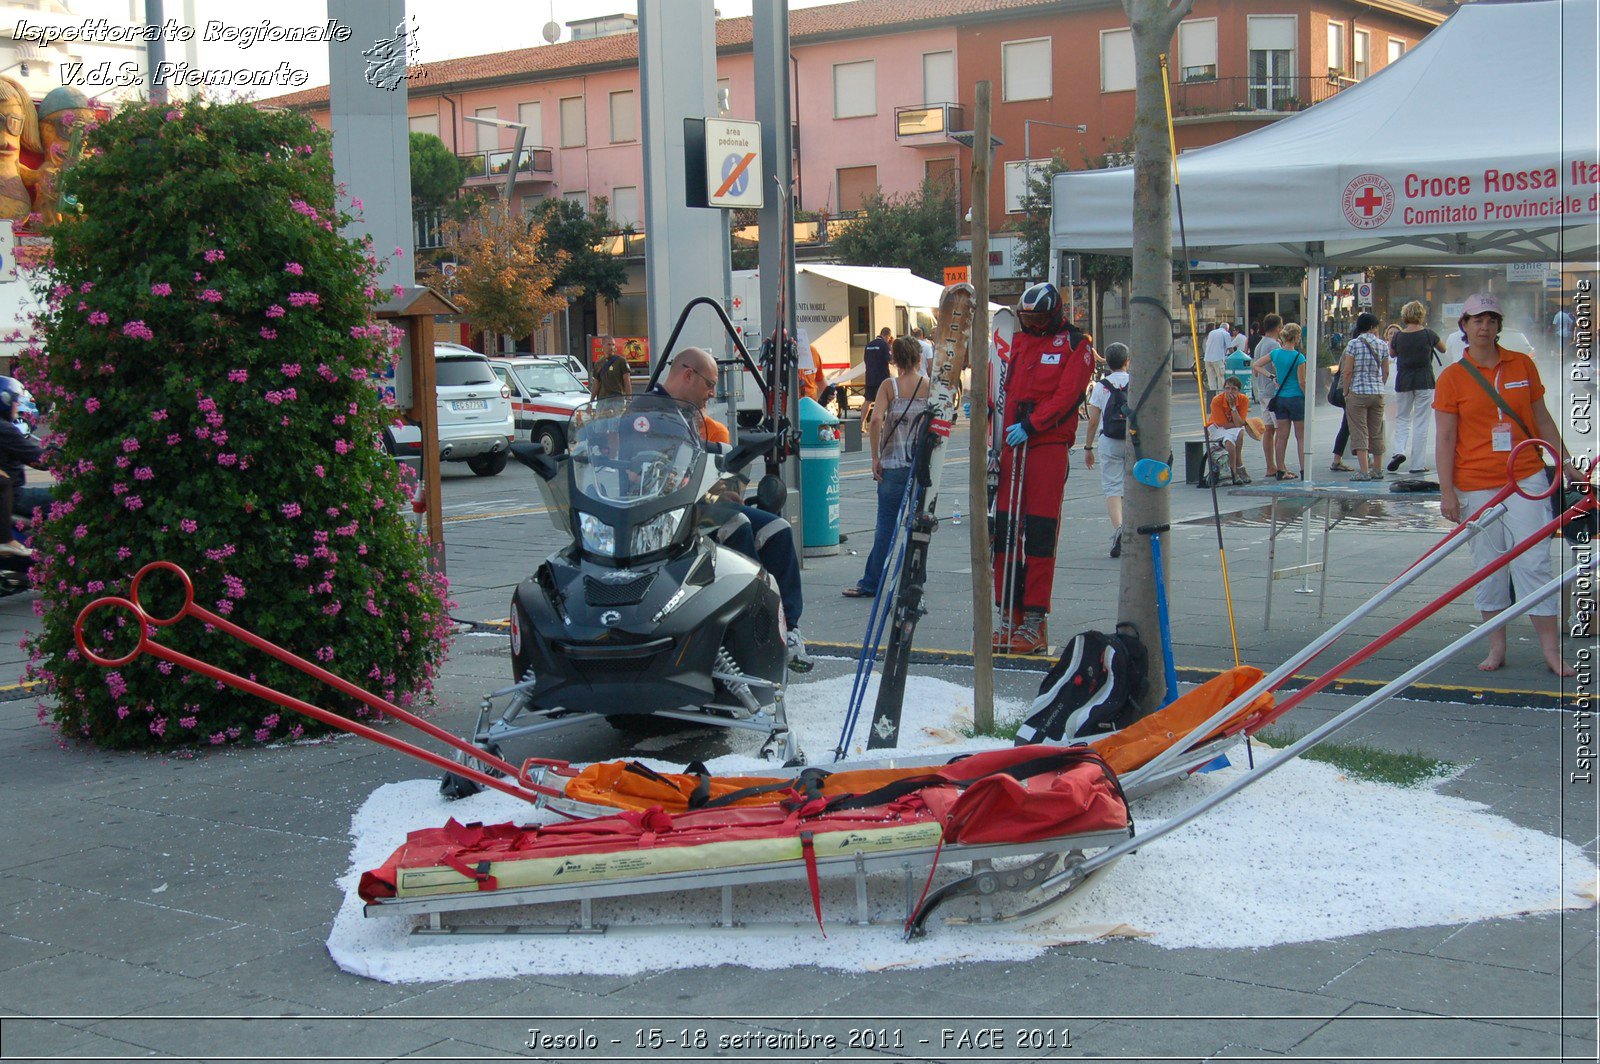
(891, 490)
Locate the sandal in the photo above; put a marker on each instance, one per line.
(1284, 474)
(857, 591)
(1339, 467)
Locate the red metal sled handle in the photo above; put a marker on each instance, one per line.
(1512, 488)
(1539, 538)
(191, 609)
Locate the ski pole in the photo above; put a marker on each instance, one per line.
(1491, 512)
(1078, 872)
(1170, 665)
(1007, 594)
(877, 621)
(1194, 341)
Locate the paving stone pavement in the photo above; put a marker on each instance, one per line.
(177, 907)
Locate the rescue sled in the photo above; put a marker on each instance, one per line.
(1034, 823)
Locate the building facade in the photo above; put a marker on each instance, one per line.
(883, 88)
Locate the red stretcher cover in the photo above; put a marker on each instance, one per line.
(627, 785)
(1017, 795)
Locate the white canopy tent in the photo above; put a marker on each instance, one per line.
(1481, 144)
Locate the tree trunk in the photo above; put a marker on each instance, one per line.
(1150, 325)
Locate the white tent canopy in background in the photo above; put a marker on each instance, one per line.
(1479, 145)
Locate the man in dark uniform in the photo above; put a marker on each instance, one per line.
(1050, 369)
(767, 538)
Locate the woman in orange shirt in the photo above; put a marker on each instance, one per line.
(1474, 439)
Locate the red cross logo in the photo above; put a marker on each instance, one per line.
(1368, 201)
(737, 302)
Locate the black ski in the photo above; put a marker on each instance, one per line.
(956, 307)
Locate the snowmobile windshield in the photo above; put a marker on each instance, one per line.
(633, 450)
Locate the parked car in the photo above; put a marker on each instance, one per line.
(544, 393)
(574, 364)
(476, 425)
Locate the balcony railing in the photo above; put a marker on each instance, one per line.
(1220, 96)
(427, 228)
(491, 164)
(930, 121)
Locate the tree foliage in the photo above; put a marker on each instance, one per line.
(1033, 244)
(209, 344)
(505, 276)
(589, 269)
(436, 172)
(915, 230)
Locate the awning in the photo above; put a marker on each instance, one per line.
(897, 283)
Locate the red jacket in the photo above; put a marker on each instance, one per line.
(1046, 383)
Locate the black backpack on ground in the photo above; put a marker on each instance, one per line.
(1114, 419)
(1095, 688)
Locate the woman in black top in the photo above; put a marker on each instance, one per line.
(1415, 350)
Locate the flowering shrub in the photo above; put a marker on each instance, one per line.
(192, 431)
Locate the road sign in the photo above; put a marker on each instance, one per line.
(734, 174)
(1364, 294)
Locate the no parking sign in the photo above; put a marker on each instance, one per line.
(1364, 294)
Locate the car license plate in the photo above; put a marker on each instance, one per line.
(470, 404)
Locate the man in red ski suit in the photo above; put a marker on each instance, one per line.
(1051, 365)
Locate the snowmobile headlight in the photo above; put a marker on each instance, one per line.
(598, 537)
(658, 532)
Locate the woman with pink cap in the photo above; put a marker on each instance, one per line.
(1484, 406)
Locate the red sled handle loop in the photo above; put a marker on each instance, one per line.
(1511, 469)
(147, 645)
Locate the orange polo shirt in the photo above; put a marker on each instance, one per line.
(713, 430)
(1219, 410)
(1479, 467)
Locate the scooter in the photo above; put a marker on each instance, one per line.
(644, 616)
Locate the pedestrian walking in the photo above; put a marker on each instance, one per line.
(897, 410)
(926, 346)
(1219, 341)
(1365, 371)
(1266, 386)
(1485, 404)
(1415, 348)
(1289, 366)
(876, 362)
(1108, 435)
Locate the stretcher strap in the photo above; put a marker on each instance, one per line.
(479, 872)
(808, 850)
(927, 883)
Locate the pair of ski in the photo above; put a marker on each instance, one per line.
(930, 434)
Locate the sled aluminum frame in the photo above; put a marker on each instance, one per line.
(780, 743)
(911, 864)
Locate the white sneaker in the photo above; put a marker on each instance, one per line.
(14, 549)
(799, 659)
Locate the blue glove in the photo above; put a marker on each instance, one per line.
(1015, 435)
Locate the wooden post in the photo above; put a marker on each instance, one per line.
(978, 425)
(414, 310)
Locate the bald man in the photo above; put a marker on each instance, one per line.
(757, 534)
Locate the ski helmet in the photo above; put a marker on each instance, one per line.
(1039, 309)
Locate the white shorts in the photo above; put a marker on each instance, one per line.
(1226, 435)
(1531, 568)
(1112, 458)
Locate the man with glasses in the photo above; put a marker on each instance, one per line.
(755, 533)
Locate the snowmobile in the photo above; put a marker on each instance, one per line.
(643, 616)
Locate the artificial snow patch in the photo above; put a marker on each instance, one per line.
(1308, 854)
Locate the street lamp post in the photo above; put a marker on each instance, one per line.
(1027, 131)
(516, 151)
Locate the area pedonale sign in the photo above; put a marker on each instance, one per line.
(1514, 195)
